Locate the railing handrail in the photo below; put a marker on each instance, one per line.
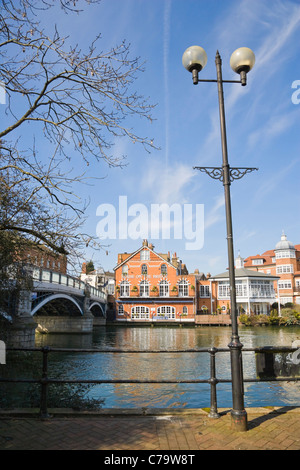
(77, 282)
(44, 381)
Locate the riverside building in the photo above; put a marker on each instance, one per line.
(284, 262)
(154, 287)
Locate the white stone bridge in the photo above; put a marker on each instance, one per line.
(58, 303)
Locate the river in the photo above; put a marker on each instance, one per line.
(169, 365)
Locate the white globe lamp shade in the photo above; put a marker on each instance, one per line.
(194, 58)
(242, 60)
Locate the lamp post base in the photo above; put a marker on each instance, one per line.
(239, 420)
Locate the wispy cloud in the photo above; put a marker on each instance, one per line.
(274, 126)
(214, 215)
(272, 183)
(166, 45)
(275, 27)
(166, 184)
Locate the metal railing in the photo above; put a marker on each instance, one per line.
(45, 381)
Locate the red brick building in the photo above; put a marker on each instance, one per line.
(43, 257)
(283, 261)
(152, 286)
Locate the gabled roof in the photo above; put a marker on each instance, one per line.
(143, 247)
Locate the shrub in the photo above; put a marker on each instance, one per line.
(245, 319)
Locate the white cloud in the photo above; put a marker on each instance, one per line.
(214, 216)
(167, 184)
(273, 127)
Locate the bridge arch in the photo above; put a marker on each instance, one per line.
(97, 304)
(54, 297)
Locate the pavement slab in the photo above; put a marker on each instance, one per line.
(180, 430)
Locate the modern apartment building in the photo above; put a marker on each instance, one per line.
(284, 262)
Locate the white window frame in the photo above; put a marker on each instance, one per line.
(256, 262)
(223, 290)
(284, 269)
(204, 291)
(124, 289)
(183, 288)
(261, 289)
(285, 254)
(285, 284)
(163, 288)
(166, 311)
(140, 312)
(144, 289)
(145, 255)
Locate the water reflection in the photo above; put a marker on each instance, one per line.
(168, 366)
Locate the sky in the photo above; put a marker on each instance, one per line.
(262, 122)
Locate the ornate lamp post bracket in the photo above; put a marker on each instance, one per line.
(217, 173)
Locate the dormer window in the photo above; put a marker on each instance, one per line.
(256, 262)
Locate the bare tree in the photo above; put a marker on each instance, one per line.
(80, 98)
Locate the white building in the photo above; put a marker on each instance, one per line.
(254, 290)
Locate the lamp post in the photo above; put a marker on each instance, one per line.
(242, 60)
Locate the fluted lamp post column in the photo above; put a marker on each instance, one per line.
(242, 60)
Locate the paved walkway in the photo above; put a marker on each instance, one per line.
(181, 430)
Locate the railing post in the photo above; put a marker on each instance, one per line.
(44, 384)
(213, 385)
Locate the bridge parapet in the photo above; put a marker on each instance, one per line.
(58, 281)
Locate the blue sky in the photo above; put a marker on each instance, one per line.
(262, 121)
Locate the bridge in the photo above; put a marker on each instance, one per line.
(57, 303)
(49, 286)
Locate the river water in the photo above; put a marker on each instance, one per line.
(168, 366)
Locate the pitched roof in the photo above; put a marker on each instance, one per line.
(143, 247)
(243, 272)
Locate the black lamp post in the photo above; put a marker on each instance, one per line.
(242, 60)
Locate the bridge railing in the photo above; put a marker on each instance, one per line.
(46, 275)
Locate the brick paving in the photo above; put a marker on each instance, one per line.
(268, 429)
